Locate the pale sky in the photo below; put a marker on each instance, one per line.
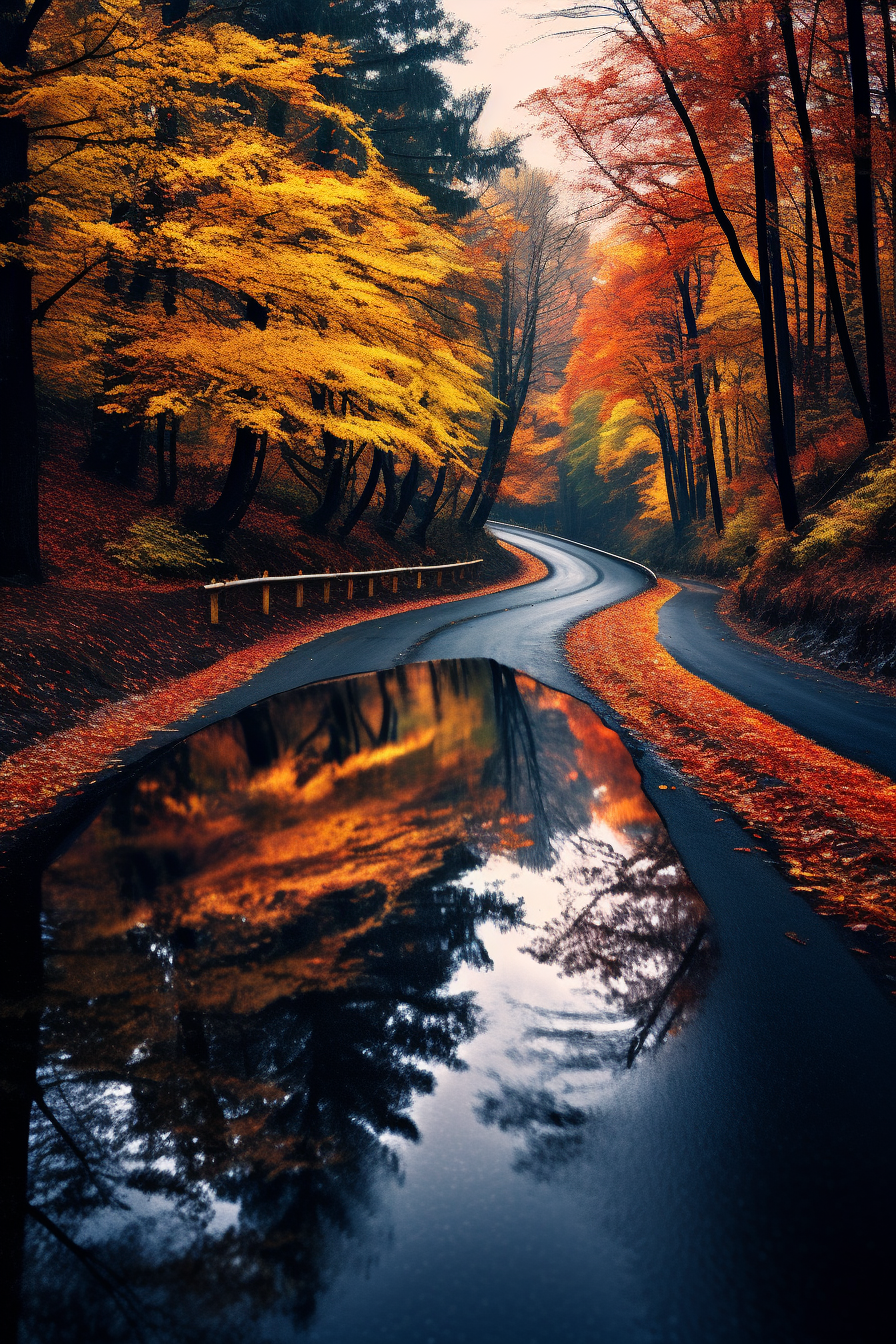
(515, 56)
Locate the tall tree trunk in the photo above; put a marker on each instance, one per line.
(685, 461)
(429, 510)
(166, 472)
(492, 483)
(834, 300)
(758, 112)
(19, 464)
(779, 296)
(683, 281)
(810, 275)
(366, 495)
(215, 522)
(390, 490)
(869, 278)
(723, 423)
(172, 457)
(161, 473)
(891, 126)
(332, 497)
(408, 490)
(114, 452)
(249, 493)
(475, 494)
(665, 449)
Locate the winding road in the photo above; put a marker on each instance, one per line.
(750, 1171)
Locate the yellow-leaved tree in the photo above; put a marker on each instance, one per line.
(191, 251)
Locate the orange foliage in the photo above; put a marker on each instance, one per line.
(832, 822)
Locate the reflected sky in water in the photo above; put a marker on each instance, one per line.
(336, 998)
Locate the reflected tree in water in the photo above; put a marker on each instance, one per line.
(247, 985)
(635, 935)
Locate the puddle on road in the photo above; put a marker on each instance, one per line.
(335, 996)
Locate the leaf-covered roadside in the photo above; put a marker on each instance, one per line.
(830, 823)
(34, 779)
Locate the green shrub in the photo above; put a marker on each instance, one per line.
(159, 547)
(862, 517)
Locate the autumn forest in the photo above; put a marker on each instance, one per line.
(262, 256)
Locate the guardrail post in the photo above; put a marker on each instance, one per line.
(438, 578)
(214, 608)
(327, 589)
(370, 586)
(351, 589)
(395, 583)
(266, 596)
(419, 578)
(300, 593)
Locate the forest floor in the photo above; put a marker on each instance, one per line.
(828, 822)
(96, 635)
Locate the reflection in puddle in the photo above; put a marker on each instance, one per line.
(267, 950)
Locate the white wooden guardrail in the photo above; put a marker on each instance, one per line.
(350, 575)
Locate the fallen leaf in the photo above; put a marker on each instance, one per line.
(795, 938)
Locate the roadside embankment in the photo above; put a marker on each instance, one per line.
(840, 615)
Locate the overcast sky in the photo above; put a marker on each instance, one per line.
(514, 56)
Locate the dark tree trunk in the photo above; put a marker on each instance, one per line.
(216, 521)
(172, 457)
(761, 131)
(19, 524)
(390, 492)
(115, 446)
(329, 505)
(666, 450)
(253, 483)
(166, 473)
(685, 465)
(779, 297)
(408, 491)
(429, 510)
(683, 281)
(891, 126)
(834, 302)
(723, 423)
(475, 494)
(492, 484)
(161, 472)
(869, 278)
(810, 277)
(360, 508)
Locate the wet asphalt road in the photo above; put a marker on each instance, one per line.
(748, 1174)
(847, 718)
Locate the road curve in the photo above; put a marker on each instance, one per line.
(853, 721)
(750, 1173)
(521, 627)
